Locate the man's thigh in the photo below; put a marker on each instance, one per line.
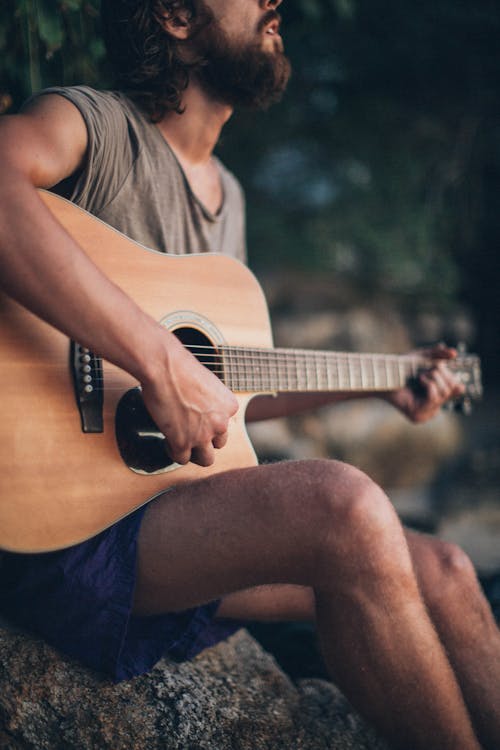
(237, 530)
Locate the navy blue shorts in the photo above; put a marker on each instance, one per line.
(79, 600)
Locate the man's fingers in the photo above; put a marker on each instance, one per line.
(431, 389)
(203, 456)
(437, 379)
(441, 384)
(455, 387)
(179, 455)
(220, 441)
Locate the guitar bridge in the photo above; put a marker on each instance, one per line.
(86, 370)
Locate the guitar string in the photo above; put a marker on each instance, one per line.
(232, 363)
(248, 384)
(223, 363)
(305, 370)
(268, 355)
(239, 357)
(285, 352)
(231, 367)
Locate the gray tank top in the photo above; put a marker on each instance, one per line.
(133, 181)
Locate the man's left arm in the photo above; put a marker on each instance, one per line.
(423, 399)
(418, 402)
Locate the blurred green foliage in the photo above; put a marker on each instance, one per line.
(381, 165)
(45, 42)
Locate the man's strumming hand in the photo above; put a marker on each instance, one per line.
(189, 404)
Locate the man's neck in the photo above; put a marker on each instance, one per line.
(193, 135)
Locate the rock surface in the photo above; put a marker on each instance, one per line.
(231, 697)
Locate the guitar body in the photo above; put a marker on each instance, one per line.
(58, 484)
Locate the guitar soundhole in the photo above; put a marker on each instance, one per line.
(199, 345)
(142, 446)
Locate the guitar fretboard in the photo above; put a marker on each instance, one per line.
(278, 370)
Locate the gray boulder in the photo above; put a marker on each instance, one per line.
(231, 697)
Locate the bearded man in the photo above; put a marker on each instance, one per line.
(403, 626)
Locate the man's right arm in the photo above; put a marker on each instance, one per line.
(44, 269)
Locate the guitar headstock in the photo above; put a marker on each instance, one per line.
(467, 369)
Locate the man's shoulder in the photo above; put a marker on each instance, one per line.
(111, 118)
(87, 97)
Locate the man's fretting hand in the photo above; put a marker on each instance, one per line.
(189, 404)
(435, 386)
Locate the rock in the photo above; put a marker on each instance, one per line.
(368, 434)
(230, 697)
(393, 451)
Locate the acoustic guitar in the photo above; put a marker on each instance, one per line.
(78, 449)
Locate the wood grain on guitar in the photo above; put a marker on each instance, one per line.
(78, 451)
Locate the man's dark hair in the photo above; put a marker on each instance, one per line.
(146, 60)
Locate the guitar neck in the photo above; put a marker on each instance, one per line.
(282, 370)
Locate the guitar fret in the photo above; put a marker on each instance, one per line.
(339, 368)
(359, 374)
(403, 375)
(303, 367)
(362, 373)
(345, 375)
(317, 371)
(306, 371)
(349, 372)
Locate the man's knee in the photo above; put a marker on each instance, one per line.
(446, 574)
(454, 564)
(355, 503)
(360, 527)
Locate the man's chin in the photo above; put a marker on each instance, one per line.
(244, 90)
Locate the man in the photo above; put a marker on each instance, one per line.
(403, 626)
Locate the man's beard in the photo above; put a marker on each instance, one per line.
(241, 76)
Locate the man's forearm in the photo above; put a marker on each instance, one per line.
(47, 272)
